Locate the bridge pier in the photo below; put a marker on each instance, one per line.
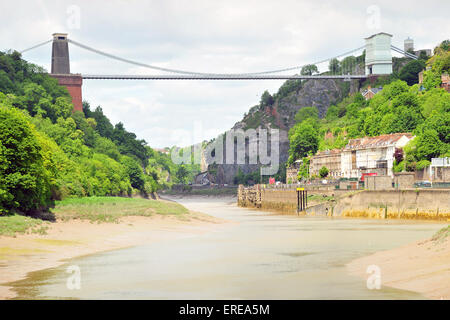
(73, 84)
(61, 70)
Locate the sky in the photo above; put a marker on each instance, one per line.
(204, 36)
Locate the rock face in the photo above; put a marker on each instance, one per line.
(281, 115)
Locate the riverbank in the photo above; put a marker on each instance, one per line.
(423, 266)
(85, 227)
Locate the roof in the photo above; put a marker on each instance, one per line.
(327, 153)
(373, 90)
(378, 141)
(376, 34)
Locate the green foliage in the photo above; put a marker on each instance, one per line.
(348, 64)
(307, 113)
(13, 224)
(47, 152)
(303, 139)
(410, 72)
(288, 87)
(334, 66)
(309, 70)
(111, 209)
(398, 167)
(303, 170)
(247, 179)
(399, 107)
(323, 172)
(266, 99)
(24, 182)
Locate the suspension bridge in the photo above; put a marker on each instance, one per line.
(377, 61)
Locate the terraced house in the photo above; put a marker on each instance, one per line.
(362, 155)
(331, 159)
(372, 154)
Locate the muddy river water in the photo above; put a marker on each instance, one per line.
(261, 256)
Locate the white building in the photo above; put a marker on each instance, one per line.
(378, 54)
(372, 154)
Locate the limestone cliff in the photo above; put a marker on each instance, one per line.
(280, 114)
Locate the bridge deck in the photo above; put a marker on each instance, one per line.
(219, 77)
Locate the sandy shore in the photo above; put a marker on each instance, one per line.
(422, 267)
(65, 240)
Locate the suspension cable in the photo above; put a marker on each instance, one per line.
(36, 46)
(406, 54)
(192, 72)
(198, 73)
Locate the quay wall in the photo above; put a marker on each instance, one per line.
(428, 204)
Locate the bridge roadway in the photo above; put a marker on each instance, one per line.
(218, 77)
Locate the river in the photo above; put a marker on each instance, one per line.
(260, 256)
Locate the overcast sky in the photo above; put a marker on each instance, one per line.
(204, 36)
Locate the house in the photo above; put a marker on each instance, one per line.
(331, 159)
(437, 172)
(370, 92)
(445, 81)
(292, 172)
(164, 151)
(372, 154)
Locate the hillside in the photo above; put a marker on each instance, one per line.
(279, 111)
(48, 153)
(402, 106)
(333, 111)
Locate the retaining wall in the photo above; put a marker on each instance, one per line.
(430, 204)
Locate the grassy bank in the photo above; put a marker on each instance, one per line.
(16, 224)
(442, 234)
(93, 209)
(110, 209)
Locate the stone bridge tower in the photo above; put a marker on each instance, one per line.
(378, 54)
(61, 70)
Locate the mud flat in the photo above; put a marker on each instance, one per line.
(423, 267)
(23, 254)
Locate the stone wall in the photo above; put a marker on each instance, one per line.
(431, 204)
(404, 180)
(377, 182)
(291, 175)
(440, 174)
(249, 197)
(284, 201)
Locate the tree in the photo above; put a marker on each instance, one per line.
(307, 113)
(348, 64)
(266, 99)
(323, 172)
(309, 70)
(135, 173)
(334, 66)
(398, 155)
(428, 145)
(410, 72)
(24, 182)
(182, 173)
(303, 140)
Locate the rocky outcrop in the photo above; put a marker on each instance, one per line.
(281, 115)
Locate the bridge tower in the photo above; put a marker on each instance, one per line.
(378, 54)
(61, 70)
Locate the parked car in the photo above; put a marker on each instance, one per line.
(423, 184)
